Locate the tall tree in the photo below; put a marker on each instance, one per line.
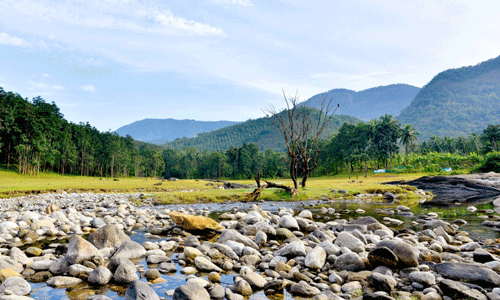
(301, 128)
(408, 137)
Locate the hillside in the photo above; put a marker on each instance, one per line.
(457, 102)
(368, 104)
(259, 131)
(160, 131)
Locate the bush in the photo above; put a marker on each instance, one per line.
(432, 168)
(491, 163)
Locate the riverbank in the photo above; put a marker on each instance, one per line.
(260, 250)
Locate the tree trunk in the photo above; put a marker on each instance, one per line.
(304, 179)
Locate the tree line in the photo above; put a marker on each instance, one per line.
(35, 137)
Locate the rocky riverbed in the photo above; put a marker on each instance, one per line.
(81, 244)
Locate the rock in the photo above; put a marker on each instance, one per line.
(80, 250)
(316, 258)
(288, 222)
(214, 277)
(33, 251)
(350, 262)
(346, 239)
(19, 256)
(304, 289)
(217, 292)
(243, 287)
(191, 291)
(204, 264)
(191, 241)
(469, 273)
(152, 274)
(63, 281)
(380, 282)
(156, 259)
(457, 290)
(126, 272)
(98, 223)
(61, 266)
(482, 256)
(108, 236)
(192, 253)
(9, 263)
(138, 290)
(16, 285)
(383, 256)
(42, 265)
(189, 222)
(42, 223)
(293, 249)
(425, 278)
(284, 233)
(100, 276)
(306, 214)
(254, 279)
(130, 250)
(7, 273)
(52, 208)
(406, 254)
(42, 276)
(260, 238)
(168, 267)
(233, 235)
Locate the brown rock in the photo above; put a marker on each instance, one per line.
(108, 236)
(189, 222)
(6, 273)
(52, 208)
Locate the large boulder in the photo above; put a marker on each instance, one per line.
(191, 291)
(139, 290)
(9, 263)
(316, 258)
(100, 276)
(233, 235)
(16, 285)
(63, 281)
(346, 239)
(130, 249)
(80, 250)
(108, 236)
(471, 273)
(126, 272)
(189, 222)
(349, 261)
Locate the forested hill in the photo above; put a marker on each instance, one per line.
(457, 102)
(260, 131)
(368, 104)
(160, 131)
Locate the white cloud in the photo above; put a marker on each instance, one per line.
(168, 22)
(240, 2)
(8, 40)
(41, 85)
(88, 88)
(121, 15)
(46, 75)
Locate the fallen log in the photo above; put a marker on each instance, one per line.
(256, 193)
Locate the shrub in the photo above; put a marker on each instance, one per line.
(491, 163)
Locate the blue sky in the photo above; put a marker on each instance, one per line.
(112, 62)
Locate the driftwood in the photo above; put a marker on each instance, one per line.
(256, 193)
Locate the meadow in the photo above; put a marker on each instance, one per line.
(198, 190)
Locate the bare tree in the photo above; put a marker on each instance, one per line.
(302, 128)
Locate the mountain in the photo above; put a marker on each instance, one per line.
(368, 104)
(457, 102)
(160, 131)
(260, 131)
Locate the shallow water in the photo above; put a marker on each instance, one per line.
(173, 280)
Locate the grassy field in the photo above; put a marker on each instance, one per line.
(191, 191)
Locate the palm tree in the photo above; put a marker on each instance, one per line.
(408, 137)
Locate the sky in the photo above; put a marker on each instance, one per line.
(113, 62)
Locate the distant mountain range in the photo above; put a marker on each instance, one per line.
(161, 131)
(454, 103)
(262, 132)
(457, 102)
(368, 104)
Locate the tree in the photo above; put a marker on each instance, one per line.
(491, 138)
(408, 137)
(301, 128)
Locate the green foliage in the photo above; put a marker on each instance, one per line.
(457, 102)
(491, 163)
(36, 137)
(260, 132)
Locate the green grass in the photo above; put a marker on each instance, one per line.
(194, 191)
